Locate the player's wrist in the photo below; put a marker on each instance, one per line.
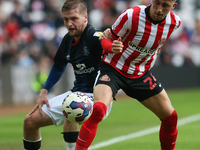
(43, 91)
(107, 45)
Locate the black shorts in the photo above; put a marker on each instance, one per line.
(140, 88)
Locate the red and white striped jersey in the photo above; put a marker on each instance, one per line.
(142, 38)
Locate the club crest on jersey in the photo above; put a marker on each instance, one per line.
(105, 78)
(162, 41)
(86, 51)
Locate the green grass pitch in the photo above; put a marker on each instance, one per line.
(127, 116)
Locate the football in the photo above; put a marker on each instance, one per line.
(77, 107)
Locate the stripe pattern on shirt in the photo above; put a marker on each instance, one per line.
(141, 39)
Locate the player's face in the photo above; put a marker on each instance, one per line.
(160, 8)
(75, 22)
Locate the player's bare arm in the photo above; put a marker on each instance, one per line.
(109, 44)
(112, 47)
(106, 35)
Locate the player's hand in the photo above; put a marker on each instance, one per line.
(106, 35)
(117, 45)
(41, 100)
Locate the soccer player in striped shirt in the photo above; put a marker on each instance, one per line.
(138, 35)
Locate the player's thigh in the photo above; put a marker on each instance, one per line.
(159, 104)
(106, 85)
(103, 93)
(37, 120)
(55, 111)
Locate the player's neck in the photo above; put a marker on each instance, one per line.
(77, 38)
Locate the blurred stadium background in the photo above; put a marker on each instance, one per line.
(31, 30)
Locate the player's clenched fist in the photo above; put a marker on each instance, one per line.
(117, 45)
(106, 35)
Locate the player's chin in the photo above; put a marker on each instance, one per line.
(71, 33)
(158, 17)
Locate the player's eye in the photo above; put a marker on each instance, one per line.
(165, 5)
(74, 19)
(156, 2)
(65, 19)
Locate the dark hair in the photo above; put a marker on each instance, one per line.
(72, 4)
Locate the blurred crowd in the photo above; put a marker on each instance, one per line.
(31, 31)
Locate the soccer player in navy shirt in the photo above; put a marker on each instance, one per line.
(80, 47)
(138, 35)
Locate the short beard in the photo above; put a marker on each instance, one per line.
(75, 35)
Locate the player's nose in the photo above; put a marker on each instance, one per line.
(160, 8)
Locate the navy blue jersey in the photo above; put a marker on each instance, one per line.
(84, 55)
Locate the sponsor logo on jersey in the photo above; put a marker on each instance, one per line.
(98, 34)
(141, 49)
(82, 69)
(80, 66)
(162, 41)
(105, 78)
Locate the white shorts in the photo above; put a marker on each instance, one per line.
(55, 111)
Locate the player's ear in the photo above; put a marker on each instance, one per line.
(86, 17)
(174, 5)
